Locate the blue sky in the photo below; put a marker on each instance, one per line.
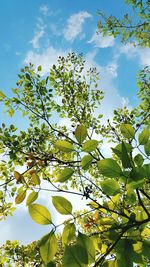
(39, 31)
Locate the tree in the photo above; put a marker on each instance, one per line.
(133, 28)
(114, 229)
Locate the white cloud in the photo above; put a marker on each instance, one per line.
(131, 51)
(44, 10)
(101, 41)
(36, 38)
(46, 59)
(74, 25)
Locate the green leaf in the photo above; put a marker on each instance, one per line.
(127, 130)
(68, 233)
(80, 133)
(65, 175)
(11, 112)
(124, 253)
(48, 247)
(126, 162)
(110, 187)
(139, 160)
(40, 214)
(86, 161)
(2, 95)
(62, 205)
(64, 146)
(20, 197)
(39, 68)
(31, 198)
(51, 264)
(88, 244)
(147, 148)
(109, 168)
(90, 146)
(143, 137)
(75, 256)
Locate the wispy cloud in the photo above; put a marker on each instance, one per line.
(100, 41)
(75, 24)
(131, 51)
(39, 33)
(48, 57)
(44, 10)
(36, 38)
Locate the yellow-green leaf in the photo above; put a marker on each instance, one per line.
(39, 68)
(74, 256)
(40, 214)
(65, 175)
(64, 146)
(147, 148)
(62, 205)
(68, 233)
(20, 197)
(127, 130)
(110, 187)
(143, 137)
(90, 146)
(31, 198)
(48, 247)
(80, 133)
(2, 95)
(109, 168)
(86, 161)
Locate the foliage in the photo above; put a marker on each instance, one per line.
(134, 28)
(114, 229)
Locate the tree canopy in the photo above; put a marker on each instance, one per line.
(114, 229)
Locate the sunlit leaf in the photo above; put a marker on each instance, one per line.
(48, 247)
(90, 145)
(86, 161)
(31, 198)
(40, 214)
(80, 133)
(20, 197)
(75, 256)
(147, 148)
(64, 146)
(62, 205)
(88, 244)
(68, 233)
(143, 137)
(65, 175)
(127, 130)
(110, 187)
(109, 168)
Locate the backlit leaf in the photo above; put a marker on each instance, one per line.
(143, 137)
(126, 162)
(90, 145)
(88, 244)
(86, 161)
(65, 175)
(62, 205)
(40, 214)
(48, 247)
(75, 256)
(20, 197)
(127, 130)
(110, 187)
(31, 198)
(64, 146)
(109, 168)
(80, 133)
(147, 148)
(68, 233)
